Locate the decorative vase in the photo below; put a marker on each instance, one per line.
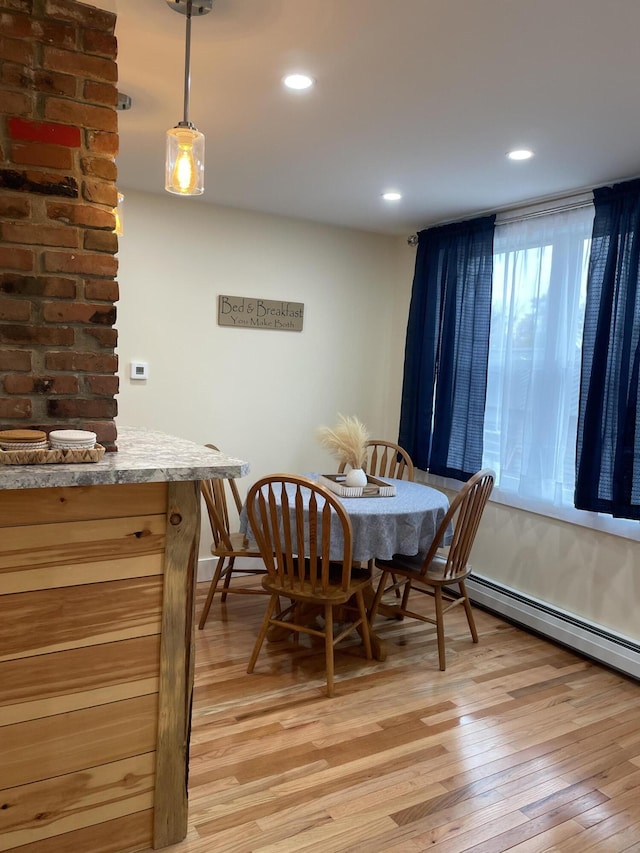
(355, 477)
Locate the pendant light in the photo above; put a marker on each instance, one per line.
(118, 212)
(184, 167)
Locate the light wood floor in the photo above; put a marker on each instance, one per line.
(519, 745)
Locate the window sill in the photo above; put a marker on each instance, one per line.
(623, 528)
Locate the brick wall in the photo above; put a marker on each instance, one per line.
(58, 142)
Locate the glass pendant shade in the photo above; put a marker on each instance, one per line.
(184, 168)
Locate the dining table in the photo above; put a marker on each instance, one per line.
(404, 523)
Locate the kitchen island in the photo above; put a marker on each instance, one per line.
(97, 579)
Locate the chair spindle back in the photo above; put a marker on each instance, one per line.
(386, 459)
(466, 508)
(293, 520)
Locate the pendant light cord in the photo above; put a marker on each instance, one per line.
(187, 66)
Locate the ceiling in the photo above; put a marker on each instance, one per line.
(422, 96)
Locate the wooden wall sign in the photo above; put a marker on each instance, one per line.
(246, 313)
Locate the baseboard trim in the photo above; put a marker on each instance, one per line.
(206, 568)
(593, 641)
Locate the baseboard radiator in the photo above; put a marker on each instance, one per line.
(594, 642)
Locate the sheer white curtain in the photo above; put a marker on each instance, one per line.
(539, 288)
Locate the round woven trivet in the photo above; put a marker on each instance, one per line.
(24, 445)
(22, 436)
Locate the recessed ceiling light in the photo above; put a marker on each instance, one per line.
(298, 81)
(520, 154)
(392, 195)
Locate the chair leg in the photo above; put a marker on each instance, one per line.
(405, 594)
(364, 624)
(371, 566)
(298, 620)
(263, 632)
(227, 579)
(378, 597)
(468, 611)
(440, 628)
(395, 580)
(328, 643)
(212, 590)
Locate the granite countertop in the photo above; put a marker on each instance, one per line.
(143, 456)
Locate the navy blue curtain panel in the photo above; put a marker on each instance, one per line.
(608, 444)
(447, 348)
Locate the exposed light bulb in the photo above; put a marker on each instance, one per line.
(392, 195)
(118, 212)
(184, 172)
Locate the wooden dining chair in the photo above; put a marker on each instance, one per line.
(227, 546)
(442, 568)
(386, 459)
(294, 536)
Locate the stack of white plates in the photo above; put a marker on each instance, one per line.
(72, 439)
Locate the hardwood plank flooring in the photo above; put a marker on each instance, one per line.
(519, 745)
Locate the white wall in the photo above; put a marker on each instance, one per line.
(590, 574)
(258, 394)
(261, 394)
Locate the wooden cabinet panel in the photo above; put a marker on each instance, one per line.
(78, 678)
(55, 746)
(124, 835)
(75, 701)
(76, 574)
(75, 503)
(96, 665)
(66, 803)
(35, 545)
(33, 623)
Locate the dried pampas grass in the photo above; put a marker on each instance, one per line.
(346, 441)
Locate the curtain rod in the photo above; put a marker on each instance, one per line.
(532, 211)
(529, 211)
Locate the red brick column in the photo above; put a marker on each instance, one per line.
(58, 142)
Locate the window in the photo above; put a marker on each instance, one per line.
(539, 284)
(538, 298)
